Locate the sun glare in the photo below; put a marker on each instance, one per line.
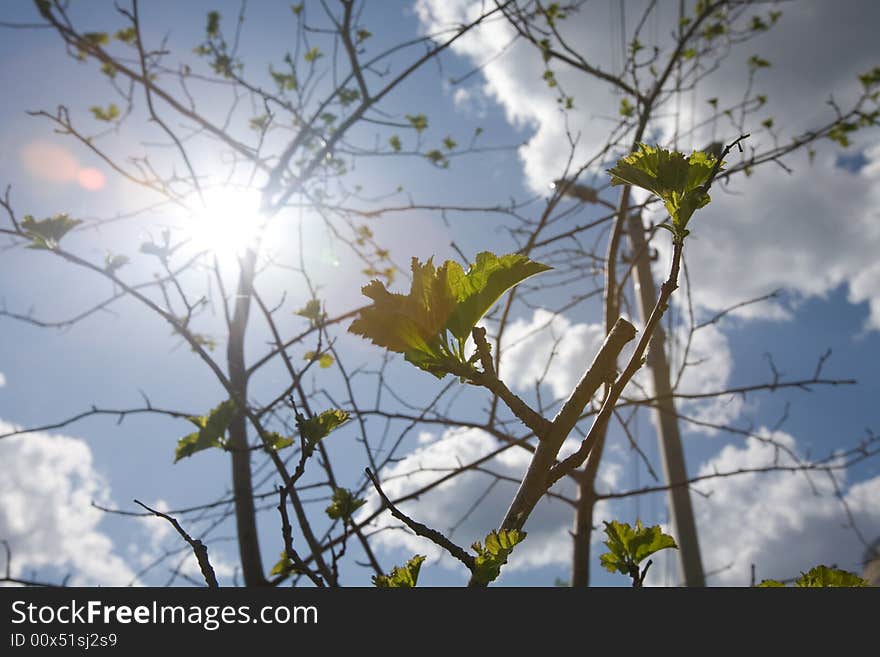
(228, 222)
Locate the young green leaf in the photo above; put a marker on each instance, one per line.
(313, 54)
(324, 359)
(771, 584)
(312, 311)
(284, 566)
(629, 546)
(315, 429)
(344, 504)
(47, 233)
(418, 121)
(441, 299)
(109, 114)
(401, 577)
(678, 180)
(276, 441)
(823, 576)
(490, 558)
(114, 262)
(411, 324)
(486, 280)
(210, 433)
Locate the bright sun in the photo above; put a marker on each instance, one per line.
(228, 222)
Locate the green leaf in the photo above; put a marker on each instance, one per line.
(394, 141)
(315, 429)
(344, 504)
(418, 121)
(312, 54)
(629, 546)
(756, 62)
(259, 123)
(97, 38)
(347, 96)
(437, 158)
(823, 576)
(362, 35)
(440, 299)
(285, 81)
(490, 558)
(312, 311)
(126, 35)
(449, 143)
(210, 433)
(297, 9)
(678, 180)
(411, 324)
(486, 280)
(871, 78)
(47, 233)
(213, 27)
(284, 566)
(276, 441)
(401, 577)
(109, 114)
(626, 108)
(771, 584)
(115, 262)
(324, 359)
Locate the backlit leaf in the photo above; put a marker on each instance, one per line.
(315, 429)
(493, 555)
(109, 114)
(324, 359)
(678, 180)
(401, 577)
(313, 312)
(344, 504)
(485, 281)
(823, 576)
(629, 546)
(115, 262)
(47, 233)
(210, 434)
(276, 441)
(411, 324)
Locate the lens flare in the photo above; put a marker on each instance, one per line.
(228, 223)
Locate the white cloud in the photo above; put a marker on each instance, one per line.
(710, 364)
(445, 507)
(550, 348)
(528, 346)
(809, 233)
(165, 544)
(778, 521)
(47, 485)
(471, 101)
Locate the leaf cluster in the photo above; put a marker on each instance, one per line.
(442, 301)
(629, 546)
(493, 555)
(401, 577)
(680, 181)
(47, 233)
(821, 577)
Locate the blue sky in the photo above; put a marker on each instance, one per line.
(813, 233)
